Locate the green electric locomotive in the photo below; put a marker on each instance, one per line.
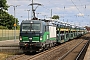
(38, 35)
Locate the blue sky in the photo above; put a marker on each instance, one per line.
(73, 11)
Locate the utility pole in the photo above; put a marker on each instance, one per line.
(67, 20)
(28, 13)
(32, 9)
(14, 6)
(51, 13)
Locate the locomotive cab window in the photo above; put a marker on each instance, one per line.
(25, 27)
(31, 27)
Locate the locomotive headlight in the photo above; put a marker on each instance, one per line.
(30, 38)
(41, 38)
(20, 38)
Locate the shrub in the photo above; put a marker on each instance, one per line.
(3, 27)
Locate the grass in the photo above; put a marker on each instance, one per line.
(3, 56)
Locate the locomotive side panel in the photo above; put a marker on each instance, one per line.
(52, 31)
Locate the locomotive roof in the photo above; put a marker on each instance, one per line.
(55, 22)
(31, 21)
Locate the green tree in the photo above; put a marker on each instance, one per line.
(3, 3)
(6, 19)
(55, 17)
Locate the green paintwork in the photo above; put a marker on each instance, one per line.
(24, 38)
(36, 38)
(44, 38)
(67, 36)
(52, 39)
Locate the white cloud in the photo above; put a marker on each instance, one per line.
(57, 7)
(71, 8)
(80, 14)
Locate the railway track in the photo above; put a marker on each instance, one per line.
(43, 54)
(63, 51)
(67, 55)
(77, 52)
(82, 52)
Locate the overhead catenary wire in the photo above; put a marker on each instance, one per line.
(85, 14)
(45, 7)
(76, 6)
(65, 6)
(77, 9)
(55, 5)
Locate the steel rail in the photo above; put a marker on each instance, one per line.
(78, 56)
(47, 51)
(69, 51)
